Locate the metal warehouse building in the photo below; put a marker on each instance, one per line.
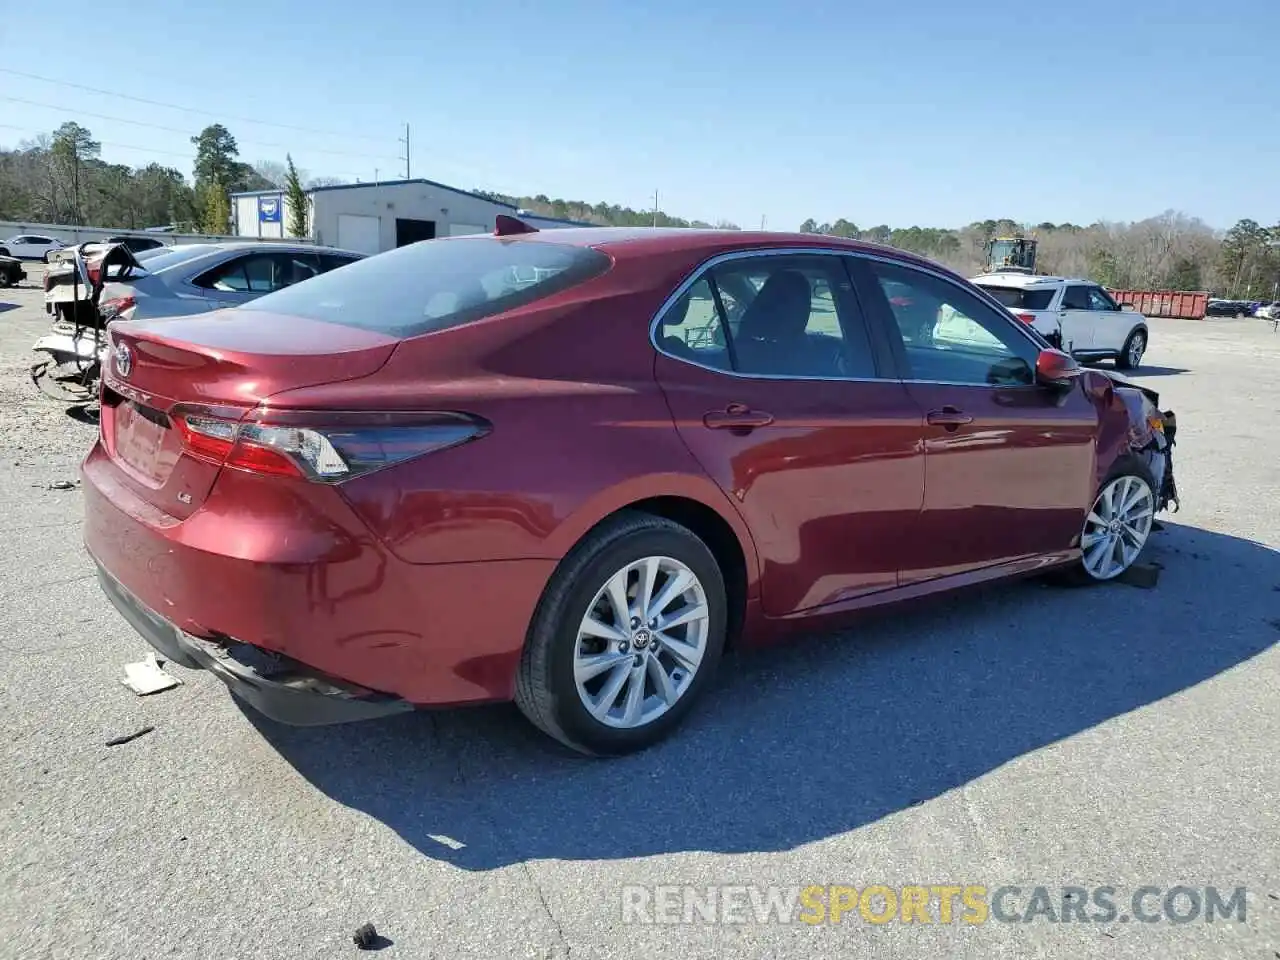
(373, 217)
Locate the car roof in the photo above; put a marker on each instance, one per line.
(1023, 280)
(265, 245)
(638, 242)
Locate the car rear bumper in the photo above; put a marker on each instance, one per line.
(293, 571)
(276, 686)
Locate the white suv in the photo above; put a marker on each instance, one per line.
(1092, 325)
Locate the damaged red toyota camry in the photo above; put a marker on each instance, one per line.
(568, 467)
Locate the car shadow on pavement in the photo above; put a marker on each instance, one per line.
(1150, 371)
(799, 743)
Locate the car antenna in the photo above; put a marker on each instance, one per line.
(507, 226)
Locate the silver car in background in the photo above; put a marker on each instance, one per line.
(95, 284)
(191, 278)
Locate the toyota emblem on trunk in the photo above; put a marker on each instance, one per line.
(124, 359)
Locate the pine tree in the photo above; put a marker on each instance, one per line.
(217, 210)
(295, 200)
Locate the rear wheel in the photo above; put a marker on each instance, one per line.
(5, 278)
(626, 638)
(1131, 355)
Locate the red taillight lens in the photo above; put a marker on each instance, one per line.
(95, 271)
(115, 307)
(328, 447)
(1026, 317)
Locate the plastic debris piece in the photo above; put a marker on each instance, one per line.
(145, 677)
(62, 485)
(1145, 575)
(366, 937)
(116, 741)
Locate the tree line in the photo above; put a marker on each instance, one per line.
(1168, 252)
(61, 178)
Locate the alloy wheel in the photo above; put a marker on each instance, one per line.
(1137, 346)
(1117, 527)
(641, 642)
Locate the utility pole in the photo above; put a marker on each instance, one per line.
(763, 218)
(655, 207)
(405, 158)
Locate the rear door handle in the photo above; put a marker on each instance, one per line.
(736, 416)
(949, 417)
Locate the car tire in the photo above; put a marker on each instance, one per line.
(550, 687)
(1128, 359)
(5, 279)
(1128, 472)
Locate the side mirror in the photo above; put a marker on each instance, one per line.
(1127, 306)
(1056, 369)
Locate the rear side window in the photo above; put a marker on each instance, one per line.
(1076, 298)
(1018, 298)
(444, 283)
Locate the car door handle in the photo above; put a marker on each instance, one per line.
(949, 417)
(736, 416)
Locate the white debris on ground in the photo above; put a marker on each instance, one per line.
(146, 677)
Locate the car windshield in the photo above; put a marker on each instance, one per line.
(1021, 298)
(437, 284)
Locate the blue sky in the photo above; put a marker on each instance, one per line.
(933, 113)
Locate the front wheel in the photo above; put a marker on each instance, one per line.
(1119, 523)
(1131, 355)
(626, 638)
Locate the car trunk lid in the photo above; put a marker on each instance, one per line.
(222, 364)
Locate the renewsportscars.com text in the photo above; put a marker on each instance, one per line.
(972, 904)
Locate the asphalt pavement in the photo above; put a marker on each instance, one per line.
(1020, 736)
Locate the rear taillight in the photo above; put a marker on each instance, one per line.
(95, 271)
(1026, 317)
(114, 308)
(327, 447)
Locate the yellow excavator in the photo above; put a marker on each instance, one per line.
(1011, 255)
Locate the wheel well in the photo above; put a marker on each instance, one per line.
(715, 532)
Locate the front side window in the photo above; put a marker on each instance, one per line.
(950, 335)
(1100, 300)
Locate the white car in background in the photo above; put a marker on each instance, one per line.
(1092, 325)
(29, 246)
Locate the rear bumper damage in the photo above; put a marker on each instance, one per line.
(273, 684)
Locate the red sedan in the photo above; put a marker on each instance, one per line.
(567, 467)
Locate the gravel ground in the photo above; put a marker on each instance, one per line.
(1021, 735)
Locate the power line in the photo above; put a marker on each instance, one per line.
(186, 133)
(175, 106)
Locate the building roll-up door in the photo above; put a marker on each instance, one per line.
(360, 234)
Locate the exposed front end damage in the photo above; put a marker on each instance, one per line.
(1133, 423)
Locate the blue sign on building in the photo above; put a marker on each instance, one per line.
(269, 209)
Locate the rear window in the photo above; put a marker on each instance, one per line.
(443, 283)
(1020, 298)
(173, 257)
